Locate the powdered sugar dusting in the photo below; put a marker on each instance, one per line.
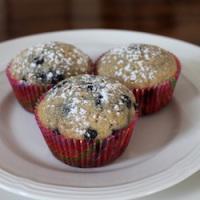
(137, 63)
(42, 62)
(86, 101)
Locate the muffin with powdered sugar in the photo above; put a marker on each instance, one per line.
(36, 69)
(149, 71)
(86, 120)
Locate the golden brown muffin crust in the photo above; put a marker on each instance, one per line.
(138, 65)
(87, 106)
(49, 63)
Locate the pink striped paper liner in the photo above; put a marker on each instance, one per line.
(26, 94)
(87, 153)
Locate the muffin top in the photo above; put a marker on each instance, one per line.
(138, 65)
(49, 63)
(87, 107)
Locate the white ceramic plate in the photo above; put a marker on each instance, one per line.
(164, 151)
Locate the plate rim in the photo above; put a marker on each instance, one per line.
(96, 30)
(29, 188)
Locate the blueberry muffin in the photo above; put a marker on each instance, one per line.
(36, 69)
(87, 120)
(149, 71)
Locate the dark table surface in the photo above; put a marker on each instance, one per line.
(174, 18)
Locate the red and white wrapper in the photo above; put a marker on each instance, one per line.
(87, 153)
(152, 99)
(26, 94)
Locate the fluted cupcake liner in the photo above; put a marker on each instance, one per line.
(87, 153)
(26, 94)
(152, 99)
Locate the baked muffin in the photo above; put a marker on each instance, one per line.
(87, 120)
(36, 69)
(149, 71)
